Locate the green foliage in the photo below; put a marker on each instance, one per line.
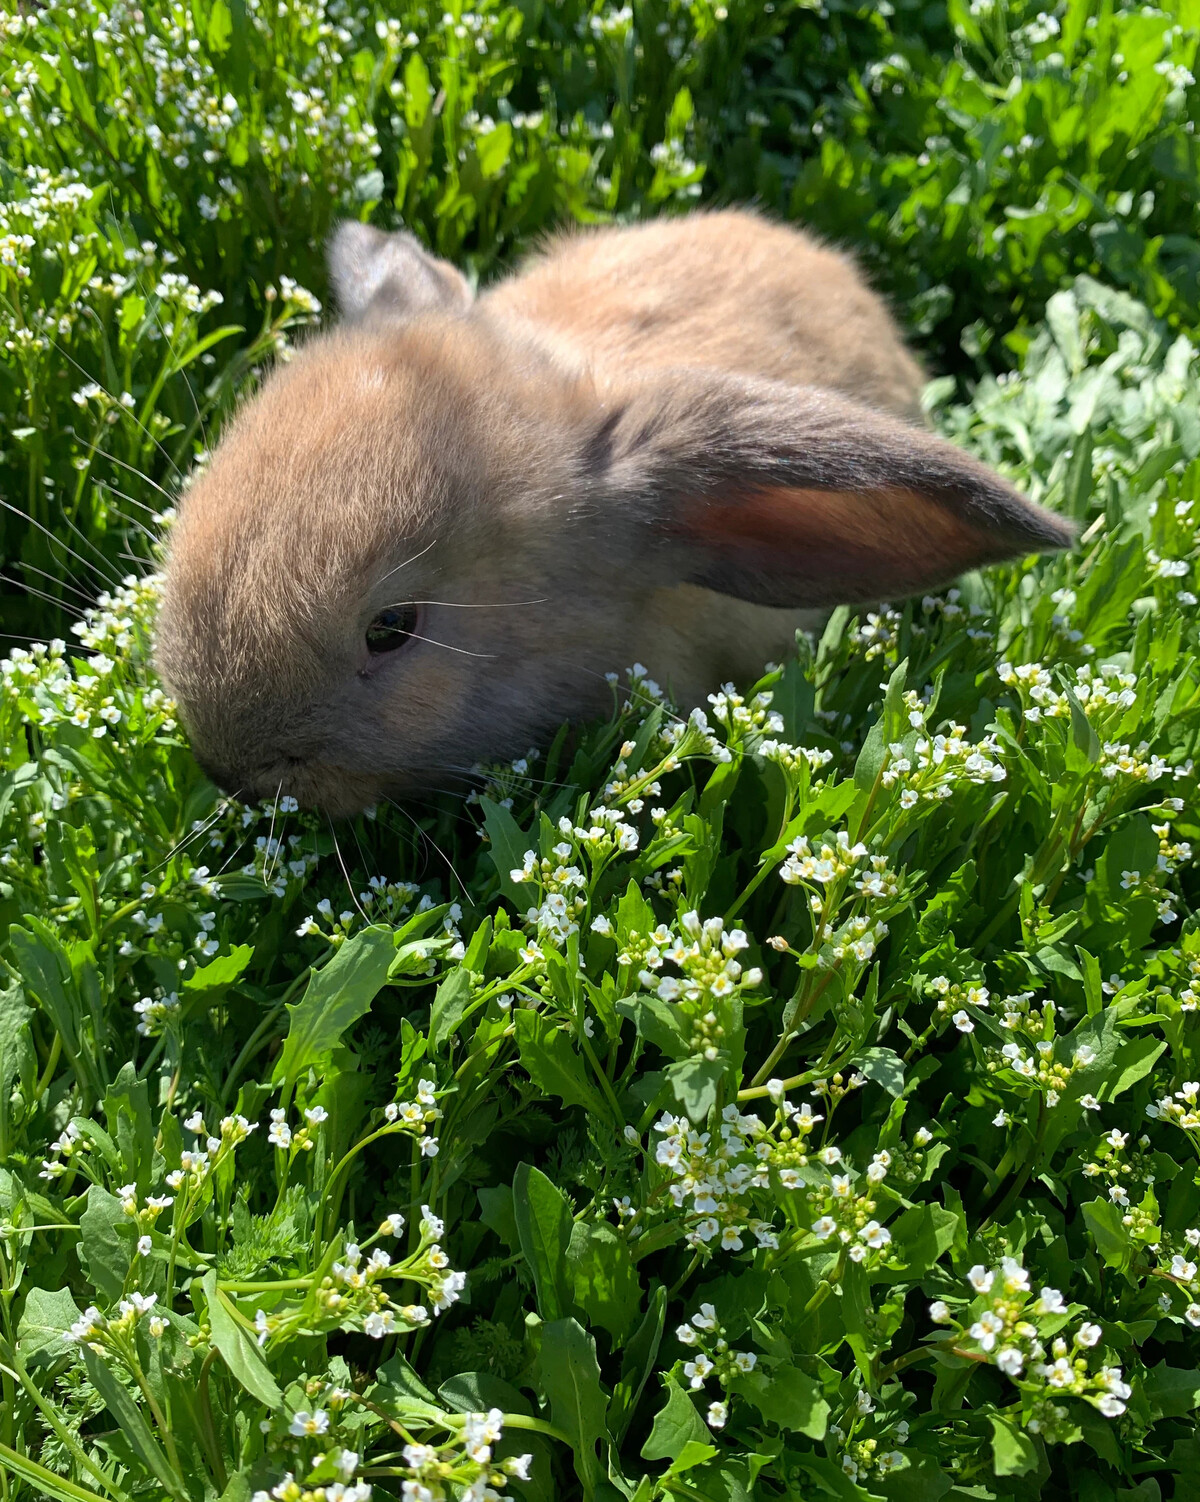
(794, 1101)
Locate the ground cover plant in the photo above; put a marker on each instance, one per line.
(793, 1097)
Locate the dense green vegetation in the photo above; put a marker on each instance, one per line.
(796, 1098)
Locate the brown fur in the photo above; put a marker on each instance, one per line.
(665, 443)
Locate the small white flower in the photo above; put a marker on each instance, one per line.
(1088, 1335)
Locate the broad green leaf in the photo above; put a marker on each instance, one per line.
(570, 1379)
(694, 1084)
(604, 1283)
(507, 845)
(638, 1356)
(788, 1397)
(47, 1316)
(884, 1066)
(543, 1217)
(106, 1245)
(450, 1001)
(1013, 1452)
(551, 1062)
(238, 1347)
(335, 998)
(676, 1425)
(130, 1124)
(219, 974)
(1172, 1392)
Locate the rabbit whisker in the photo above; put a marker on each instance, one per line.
(461, 605)
(462, 650)
(429, 840)
(341, 862)
(188, 838)
(407, 561)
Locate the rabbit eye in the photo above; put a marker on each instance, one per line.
(391, 629)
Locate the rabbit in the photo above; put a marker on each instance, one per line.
(428, 537)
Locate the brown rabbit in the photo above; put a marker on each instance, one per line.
(429, 535)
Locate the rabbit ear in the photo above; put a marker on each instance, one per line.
(378, 276)
(790, 496)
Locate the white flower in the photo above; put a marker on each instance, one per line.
(963, 1022)
(308, 1425)
(986, 1328)
(939, 1311)
(1088, 1335)
(980, 1278)
(144, 1246)
(696, 1371)
(717, 1414)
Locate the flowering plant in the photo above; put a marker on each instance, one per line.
(795, 1095)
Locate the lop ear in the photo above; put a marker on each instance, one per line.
(379, 276)
(793, 497)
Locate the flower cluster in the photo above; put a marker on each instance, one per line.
(706, 955)
(1039, 1068)
(417, 1116)
(1009, 1326)
(714, 1360)
(717, 1176)
(104, 1335)
(465, 1461)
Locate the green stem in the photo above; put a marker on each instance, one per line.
(216, 1461)
(51, 1484)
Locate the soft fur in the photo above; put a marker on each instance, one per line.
(670, 444)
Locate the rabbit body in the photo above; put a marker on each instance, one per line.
(429, 536)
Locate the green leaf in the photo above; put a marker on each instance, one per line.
(47, 1316)
(570, 1378)
(121, 1403)
(219, 974)
(676, 1425)
(1083, 732)
(130, 1124)
(507, 844)
(553, 1065)
(1104, 1221)
(659, 1023)
(788, 1397)
(450, 1001)
(1171, 1391)
(544, 1222)
(476, 1392)
(884, 1066)
(238, 1347)
(335, 998)
(496, 1211)
(605, 1286)
(106, 1243)
(694, 1084)
(638, 1356)
(1132, 1062)
(1013, 1452)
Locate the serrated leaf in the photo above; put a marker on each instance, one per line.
(553, 1064)
(570, 1376)
(334, 999)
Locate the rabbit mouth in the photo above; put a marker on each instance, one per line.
(331, 790)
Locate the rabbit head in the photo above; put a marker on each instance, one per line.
(431, 533)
